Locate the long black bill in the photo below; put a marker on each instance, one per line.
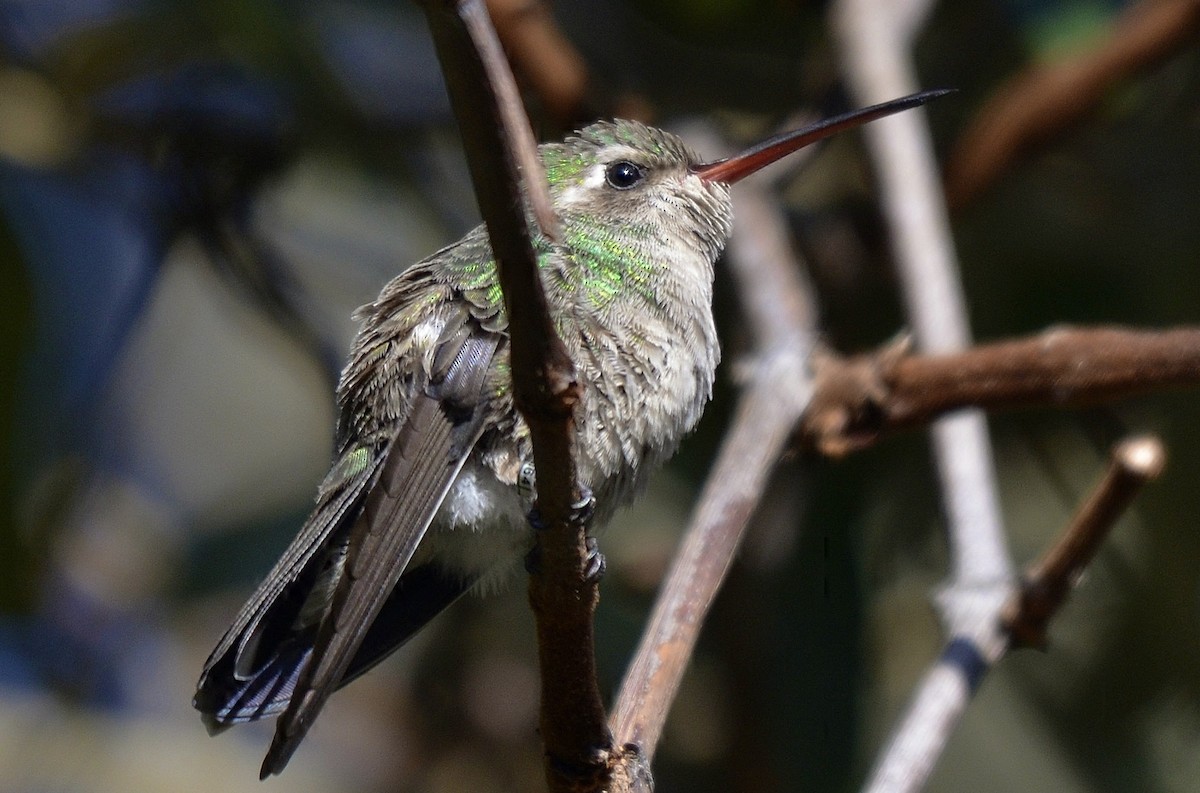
(731, 169)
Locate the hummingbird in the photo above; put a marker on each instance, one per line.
(431, 487)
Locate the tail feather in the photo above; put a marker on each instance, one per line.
(226, 698)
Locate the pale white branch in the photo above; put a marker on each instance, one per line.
(874, 37)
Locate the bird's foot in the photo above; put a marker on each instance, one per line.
(583, 510)
(580, 515)
(595, 564)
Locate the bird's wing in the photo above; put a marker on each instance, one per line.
(420, 595)
(443, 424)
(250, 673)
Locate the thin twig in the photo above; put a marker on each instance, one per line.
(1048, 98)
(546, 59)
(771, 287)
(762, 425)
(948, 687)
(859, 399)
(874, 47)
(515, 204)
(874, 38)
(1044, 589)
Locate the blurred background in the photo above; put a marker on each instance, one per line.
(194, 196)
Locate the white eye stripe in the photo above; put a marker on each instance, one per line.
(593, 180)
(595, 176)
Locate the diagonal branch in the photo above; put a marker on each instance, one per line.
(515, 203)
(1049, 98)
(875, 38)
(1044, 589)
(1021, 620)
(547, 61)
(774, 397)
(762, 424)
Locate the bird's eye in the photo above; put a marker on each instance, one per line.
(623, 175)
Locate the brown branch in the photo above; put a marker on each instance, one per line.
(948, 687)
(1046, 585)
(858, 399)
(546, 59)
(770, 285)
(500, 149)
(761, 427)
(1046, 99)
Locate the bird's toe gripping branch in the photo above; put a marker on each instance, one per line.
(596, 564)
(580, 515)
(581, 512)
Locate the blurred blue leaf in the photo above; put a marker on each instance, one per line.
(28, 28)
(383, 58)
(92, 240)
